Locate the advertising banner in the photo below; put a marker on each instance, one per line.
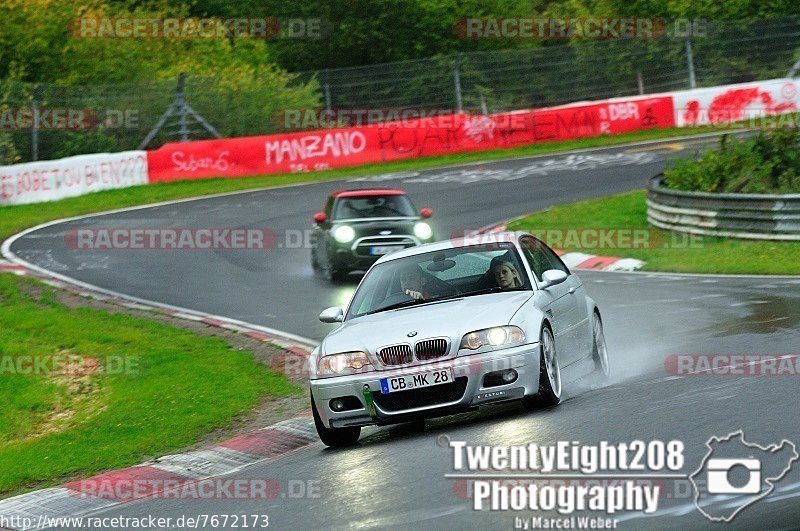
(352, 146)
(735, 103)
(50, 180)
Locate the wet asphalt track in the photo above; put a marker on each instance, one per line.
(395, 476)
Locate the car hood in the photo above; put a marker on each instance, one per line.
(452, 318)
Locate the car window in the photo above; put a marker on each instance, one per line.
(374, 206)
(461, 271)
(555, 260)
(534, 254)
(540, 257)
(371, 298)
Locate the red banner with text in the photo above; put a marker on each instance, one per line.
(353, 146)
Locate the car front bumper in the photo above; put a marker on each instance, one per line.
(468, 390)
(347, 259)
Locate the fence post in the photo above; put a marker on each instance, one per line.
(37, 95)
(326, 87)
(793, 71)
(640, 82)
(183, 110)
(457, 82)
(689, 56)
(180, 103)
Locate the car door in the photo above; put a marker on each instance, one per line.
(558, 302)
(579, 317)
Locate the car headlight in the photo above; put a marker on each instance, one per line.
(423, 231)
(344, 363)
(493, 337)
(344, 234)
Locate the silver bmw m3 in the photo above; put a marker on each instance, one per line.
(449, 326)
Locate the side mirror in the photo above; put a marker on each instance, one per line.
(320, 217)
(426, 212)
(551, 277)
(334, 314)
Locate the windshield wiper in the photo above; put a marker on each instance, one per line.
(414, 302)
(397, 305)
(493, 289)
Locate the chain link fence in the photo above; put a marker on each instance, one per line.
(554, 73)
(120, 117)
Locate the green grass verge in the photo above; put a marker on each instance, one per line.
(14, 219)
(665, 251)
(156, 389)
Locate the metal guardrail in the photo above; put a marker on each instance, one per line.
(750, 216)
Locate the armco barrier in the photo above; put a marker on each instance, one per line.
(336, 148)
(752, 216)
(35, 182)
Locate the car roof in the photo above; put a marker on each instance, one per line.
(453, 243)
(371, 192)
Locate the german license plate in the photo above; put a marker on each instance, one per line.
(384, 249)
(416, 381)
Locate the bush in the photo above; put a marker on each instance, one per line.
(94, 140)
(768, 163)
(235, 84)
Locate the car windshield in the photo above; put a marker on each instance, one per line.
(373, 206)
(439, 275)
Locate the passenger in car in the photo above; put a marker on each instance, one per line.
(505, 274)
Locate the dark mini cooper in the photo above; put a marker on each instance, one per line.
(359, 226)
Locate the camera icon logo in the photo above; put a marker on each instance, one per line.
(718, 479)
(736, 473)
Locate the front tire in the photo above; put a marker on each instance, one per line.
(337, 275)
(334, 274)
(315, 261)
(549, 374)
(334, 437)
